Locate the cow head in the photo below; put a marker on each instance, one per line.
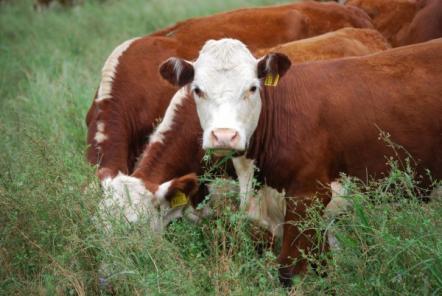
(225, 82)
(131, 198)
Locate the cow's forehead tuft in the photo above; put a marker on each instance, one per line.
(224, 54)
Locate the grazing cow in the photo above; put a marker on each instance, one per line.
(404, 22)
(322, 119)
(132, 96)
(175, 150)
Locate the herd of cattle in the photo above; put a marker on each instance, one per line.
(299, 91)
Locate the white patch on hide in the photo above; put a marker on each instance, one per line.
(169, 116)
(109, 69)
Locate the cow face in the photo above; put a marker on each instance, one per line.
(225, 82)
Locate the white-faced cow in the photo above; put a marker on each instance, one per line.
(174, 150)
(132, 96)
(306, 124)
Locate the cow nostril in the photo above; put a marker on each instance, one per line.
(214, 137)
(235, 136)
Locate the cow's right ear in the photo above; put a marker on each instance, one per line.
(177, 192)
(177, 71)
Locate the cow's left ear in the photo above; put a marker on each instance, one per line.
(273, 65)
(177, 192)
(177, 71)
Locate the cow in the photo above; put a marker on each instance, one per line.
(404, 22)
(174, 149)
(306, 124)
(341, 43)
(426, 24)
(132, 97)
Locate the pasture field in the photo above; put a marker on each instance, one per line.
(50, 63)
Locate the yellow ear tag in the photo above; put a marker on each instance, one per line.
(270, 80)
(178, 200)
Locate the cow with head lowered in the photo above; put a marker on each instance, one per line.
(132, 97)
(304, 125)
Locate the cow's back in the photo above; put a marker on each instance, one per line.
(264, 27)
(342, 43)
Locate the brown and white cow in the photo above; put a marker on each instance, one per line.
(404, 22)
(132, 96)
(175, 149)
(322, 119)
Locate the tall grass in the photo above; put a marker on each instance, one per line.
(49, 243)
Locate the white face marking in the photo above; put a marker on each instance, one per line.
(169, 117)
(226, 92)
(109, 70)
(128, 196)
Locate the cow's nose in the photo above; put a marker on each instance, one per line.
(225, 138)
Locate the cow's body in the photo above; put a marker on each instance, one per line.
(174, 149)
(132, 96)
(268, 26)
(345, 42)
(404, 22)
(426, 25)
(330, 115)
(322, 119)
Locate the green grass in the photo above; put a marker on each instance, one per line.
(49, 69)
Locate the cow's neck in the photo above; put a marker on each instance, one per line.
(265, 143)
(178, 153)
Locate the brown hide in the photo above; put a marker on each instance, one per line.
(341, 43)
(140, 96)
(389, 17)
(404, 22)
(324, 118)
(267, 26)
(426, 25)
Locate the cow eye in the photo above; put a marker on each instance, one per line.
(197, 91)
(253, 89)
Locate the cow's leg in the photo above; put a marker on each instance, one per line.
(244, 169)
(295, 242)
(337, 206)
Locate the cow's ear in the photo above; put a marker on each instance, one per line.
(177, 71)
(177, 192)
(273, 65)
